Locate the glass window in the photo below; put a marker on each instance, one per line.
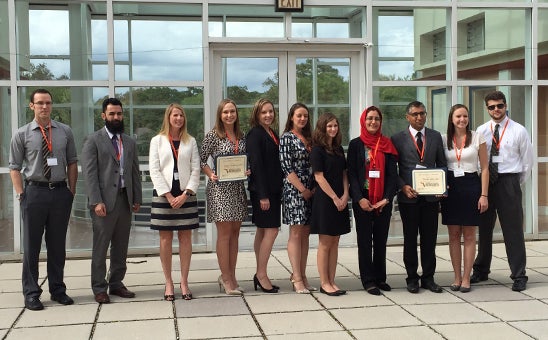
(542, 122)
(543, 43)
(245, 21)
(5, 125)
(158, 42)
(329, 22)
(543, 198)
(60, 40)
(487, 47)
(411, 44)
(4, 41)
(6, 214)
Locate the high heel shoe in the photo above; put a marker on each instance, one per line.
(227, 291)
(298, 291)
(168, 297)
(256, 283)
(187, 296)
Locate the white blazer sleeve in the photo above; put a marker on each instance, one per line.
(158, 181)
(194, 180)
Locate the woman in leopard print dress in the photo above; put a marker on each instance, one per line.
(226, 201)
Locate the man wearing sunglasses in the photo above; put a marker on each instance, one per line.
(510, 163)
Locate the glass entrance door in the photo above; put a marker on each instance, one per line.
(321, 80)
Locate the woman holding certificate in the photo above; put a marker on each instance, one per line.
(295, 146)
(175, 173)
(373, 177)
(265, 187)
(226, 198)
(467, 194)
(330, 217)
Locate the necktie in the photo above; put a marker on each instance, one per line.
(45, 156)
(115, 145)
(418, 136)
(494, 167)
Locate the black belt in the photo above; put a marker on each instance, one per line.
(122, 191)
(49, 185)
(508, 174)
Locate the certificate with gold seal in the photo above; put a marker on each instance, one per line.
(231, 168)
(429, 181)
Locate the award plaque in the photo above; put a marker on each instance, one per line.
(231, 168)
(429, 181)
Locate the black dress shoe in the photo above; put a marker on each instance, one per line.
(384, 286)
(413, 287)
(33, 303)
(432, 286)
(373, 290)
(122, 292)
(323, 291)
(519, 285)
(102, 297)
(477, 277)
(63, 299)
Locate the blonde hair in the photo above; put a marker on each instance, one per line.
(183, 134)
(219, 126)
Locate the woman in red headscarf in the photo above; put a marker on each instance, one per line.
(372, 175)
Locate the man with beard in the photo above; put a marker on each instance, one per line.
(111, 170)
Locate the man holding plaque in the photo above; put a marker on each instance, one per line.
(419, 148)
(510, 163)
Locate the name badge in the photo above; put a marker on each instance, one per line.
(420, 166)
(497, 159)
(176, 176)
(121, 171)
(458, 172)
(52, 161)
(374, 174)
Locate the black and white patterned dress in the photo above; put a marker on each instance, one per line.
(226, 201)
(295, 158)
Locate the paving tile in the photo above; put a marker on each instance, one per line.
(410, 332)
(10, 286)
(78, 268)
(485, 331)
(275, 303)
(230, 305)
(354, 298)
(403, 297)
(236, 326)
(297, 322)
(339, 335)
(77, 332)
(374, 317)
(135, 330)
(8, 300)
(11, 270)
(515, 310)
(8, 316)
(58, 315)
(449, 314)
(490, 293)
(536, 262)
(536, 329)
(3, 332)
(135, 311)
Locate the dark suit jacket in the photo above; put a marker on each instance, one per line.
(100, 168)
(356, 172)
(266, 171)
(408, 158)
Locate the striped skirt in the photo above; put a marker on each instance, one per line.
(164, 217)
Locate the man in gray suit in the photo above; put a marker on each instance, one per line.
(418, 147)
(111, 171)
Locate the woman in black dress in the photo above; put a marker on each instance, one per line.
(330, 218)
(174, 166)
(265, 187)
(373, 182)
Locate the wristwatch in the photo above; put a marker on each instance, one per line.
(20, 196)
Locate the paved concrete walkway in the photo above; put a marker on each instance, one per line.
(490, 311)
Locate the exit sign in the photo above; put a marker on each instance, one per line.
(289, 5)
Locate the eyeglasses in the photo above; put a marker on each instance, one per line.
(43, 103)
(416, 114)
(370, 118)
(498, 106)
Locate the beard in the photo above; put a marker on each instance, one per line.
(115, 126)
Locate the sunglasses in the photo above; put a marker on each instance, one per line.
(498, 106)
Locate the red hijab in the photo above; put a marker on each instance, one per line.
(379, 146)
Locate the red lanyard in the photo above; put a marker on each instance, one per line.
(233, 142)
(175, 151)
(502, 134)
(271, 133)
(374, 155)
(421, 152)
(48, 141)
(457, 153)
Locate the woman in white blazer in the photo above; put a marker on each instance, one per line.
(174, 165)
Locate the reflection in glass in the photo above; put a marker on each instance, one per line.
(5, 126)
(542, 123)
(543, 198)
(4, 41)
(543, 43)
(328, 22)
(6, 214)
(245, 21)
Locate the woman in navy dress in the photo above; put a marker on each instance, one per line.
(330, 217)
(265, 187)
